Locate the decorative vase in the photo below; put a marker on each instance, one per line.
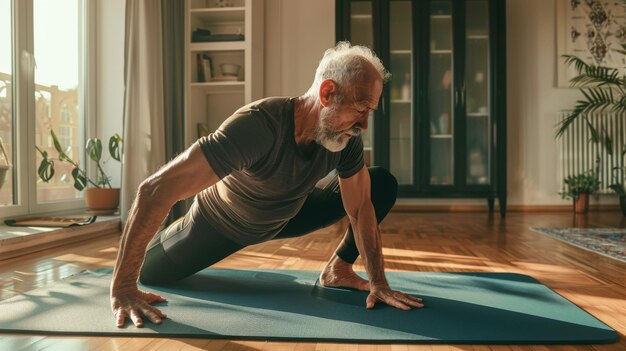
(581, 203)
(102, 201)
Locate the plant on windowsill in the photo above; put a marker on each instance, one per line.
(101, 197)
(604, 90)
(578, 187)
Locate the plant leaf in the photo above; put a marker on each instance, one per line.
(79, 180)
(608, 143)
(57, 145)
(115, 147)
(595, 136)
(46, 170)
(94, 149)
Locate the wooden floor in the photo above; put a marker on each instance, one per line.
(448, 242)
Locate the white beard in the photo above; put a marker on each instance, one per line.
(333, 141)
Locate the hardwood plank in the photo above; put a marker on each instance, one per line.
(441, 242)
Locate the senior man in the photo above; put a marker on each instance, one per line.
(277, 168)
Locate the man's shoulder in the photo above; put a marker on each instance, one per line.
(265, 113)
(271, 106)
(263, 118)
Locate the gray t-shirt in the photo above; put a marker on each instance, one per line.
(265, 178)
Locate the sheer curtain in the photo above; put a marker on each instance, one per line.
(152, 59)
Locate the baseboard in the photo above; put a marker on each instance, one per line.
(511, 208)
(22, 245)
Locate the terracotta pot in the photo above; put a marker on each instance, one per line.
(581, 203)
(102, 199)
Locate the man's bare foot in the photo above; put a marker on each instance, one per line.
(339, 274)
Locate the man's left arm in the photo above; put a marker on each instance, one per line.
(356, 196)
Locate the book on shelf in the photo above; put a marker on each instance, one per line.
(205, 68)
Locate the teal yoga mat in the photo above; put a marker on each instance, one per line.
(478, 308)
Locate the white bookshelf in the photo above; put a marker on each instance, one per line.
(210, 102)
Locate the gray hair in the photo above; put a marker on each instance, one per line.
(344, 64)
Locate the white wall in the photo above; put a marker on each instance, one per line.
(533, 102)
(110, 76)
(296, 34)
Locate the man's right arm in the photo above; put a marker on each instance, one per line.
(183, 177)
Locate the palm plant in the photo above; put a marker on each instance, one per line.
(604, 90)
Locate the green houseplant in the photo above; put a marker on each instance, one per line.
(100, 196)
(578, 187)
(603, 90)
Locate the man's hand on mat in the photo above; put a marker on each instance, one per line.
(392, 298)
(135, 304)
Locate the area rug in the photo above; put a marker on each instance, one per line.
(476, 308)
(610, 242)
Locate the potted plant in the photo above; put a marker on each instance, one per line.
(578, 187)
(100, 197)
(604, 90)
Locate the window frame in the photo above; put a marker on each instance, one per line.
(24, 114)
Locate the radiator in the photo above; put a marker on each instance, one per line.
(578, 153)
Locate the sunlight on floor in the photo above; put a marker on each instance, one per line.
(541, 267)
(83, 259)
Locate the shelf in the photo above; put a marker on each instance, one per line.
(478, 37)
(223, 14)
(441, 136)
(439, 17)
(400, 101)
(218, 46)
(220, 87)
(401, 52)
(477, 114)
(441, 52)
(361, 17)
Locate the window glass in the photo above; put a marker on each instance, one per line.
(57, 49)
(7, 191)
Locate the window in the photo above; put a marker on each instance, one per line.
(64, 134)
(43, 54)
(65, 114)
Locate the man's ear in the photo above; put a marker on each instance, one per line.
(328, 91)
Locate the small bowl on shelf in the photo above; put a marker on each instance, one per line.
(230, 69)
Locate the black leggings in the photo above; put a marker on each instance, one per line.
(190, 244)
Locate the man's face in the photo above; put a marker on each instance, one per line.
(340, 122)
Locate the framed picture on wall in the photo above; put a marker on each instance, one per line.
(591, 30)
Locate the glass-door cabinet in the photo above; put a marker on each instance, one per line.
(441, 126)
